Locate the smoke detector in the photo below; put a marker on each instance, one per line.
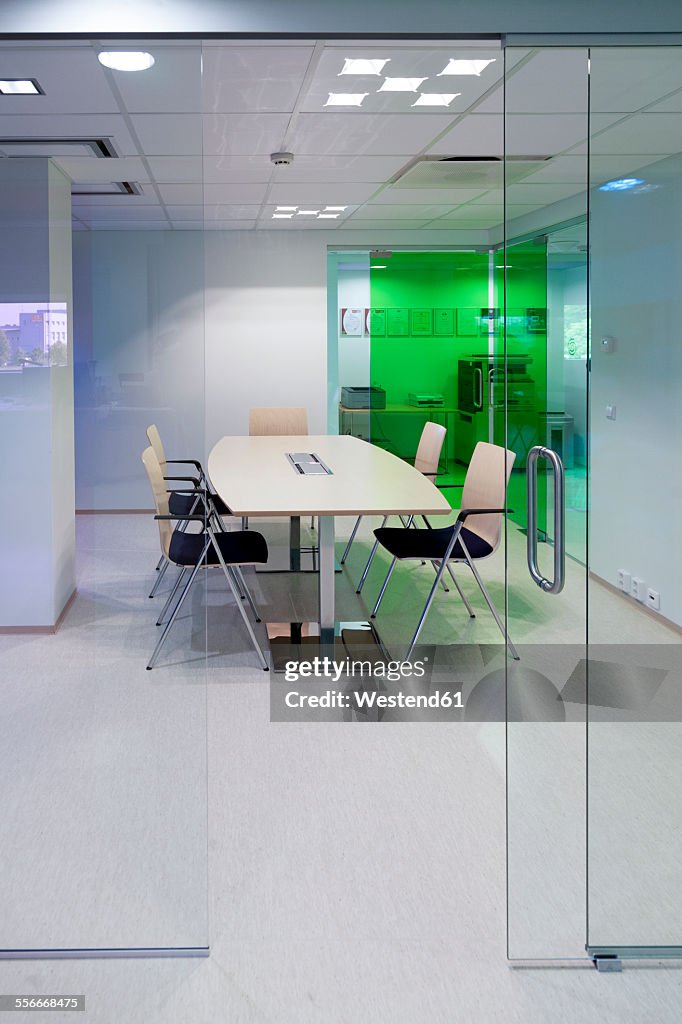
(282, 159)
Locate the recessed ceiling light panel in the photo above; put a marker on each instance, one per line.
(308, 213)
(345, 99)
(126, 60)
(435, 99)
(339, 209)
(327, 216)
(20, 87)
(466, 67)
(362, 66)
(286, 209)
(401, 84)
(282, 216)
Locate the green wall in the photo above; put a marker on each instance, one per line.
(416, 362)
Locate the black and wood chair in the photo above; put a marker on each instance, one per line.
(209, 547)
(475, 535)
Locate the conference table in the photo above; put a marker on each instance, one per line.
(328, 476)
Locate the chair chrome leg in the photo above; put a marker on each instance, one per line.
(472, 613)
(160, 562)
(512, 650)
(172, 594)
(347, 548)
(185, 592)
(442, 580)
(245, 522)
(240, 606)
(162, 573)
(365, 571)
(241, 582)
(429, 601)
(383, 588)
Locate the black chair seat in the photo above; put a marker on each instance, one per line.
(239, 548)
(183, 504)
(429, 544)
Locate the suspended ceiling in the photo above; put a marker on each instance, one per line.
(194, 133)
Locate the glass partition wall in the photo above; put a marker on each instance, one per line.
(104, 763)
(593, 730)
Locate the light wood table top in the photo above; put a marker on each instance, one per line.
(254, 478)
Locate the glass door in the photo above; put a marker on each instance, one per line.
(594, 605)
(543, 281)
(634, 731)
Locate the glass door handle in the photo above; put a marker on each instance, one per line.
(556, 585)
(478, 401)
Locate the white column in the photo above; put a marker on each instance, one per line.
(37, 521)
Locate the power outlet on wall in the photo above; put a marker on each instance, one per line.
(638, 589)
(623, 580)
(653, 599)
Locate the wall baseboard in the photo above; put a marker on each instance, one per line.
(40, 630)
(656, 616)
(114, 511)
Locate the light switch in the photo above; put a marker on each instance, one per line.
(608, 343)
(610, 412)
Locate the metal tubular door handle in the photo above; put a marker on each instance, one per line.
(478, 402)
(556, 585)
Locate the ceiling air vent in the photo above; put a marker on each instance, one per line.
(483, 172)
(47, 147)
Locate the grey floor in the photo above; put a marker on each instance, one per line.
(354, 873)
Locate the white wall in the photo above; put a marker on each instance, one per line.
(636, 464)
(36, 405)
(216, 320)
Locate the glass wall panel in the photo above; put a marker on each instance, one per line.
(546, 175)
(103, 823)
(634, 670)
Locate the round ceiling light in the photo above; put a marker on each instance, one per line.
(126, 60)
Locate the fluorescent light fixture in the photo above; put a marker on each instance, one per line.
(126, 60)
(401, 84)
(327, 216)
(378, 266)
(340, 209)
(308, 213)
(504, 266)
(465, 67)
(345, 99)
(282, 216)
(435, 99)
(620, 185)
(20, 87)
(286, 209)
(362, 66)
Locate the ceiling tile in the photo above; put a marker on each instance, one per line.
(172, 85)
(255, 78)
(627, 78)
(169, 134)
(172, 169)
(340, 168)
(641, 133)
(402, 212)
(231, 211)
(554, 80)
(365, 134)
(244, 134)
(440, 196)
(322, 194)
(83, 88)
(233, 193)
(177, 195)
(185, 213)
